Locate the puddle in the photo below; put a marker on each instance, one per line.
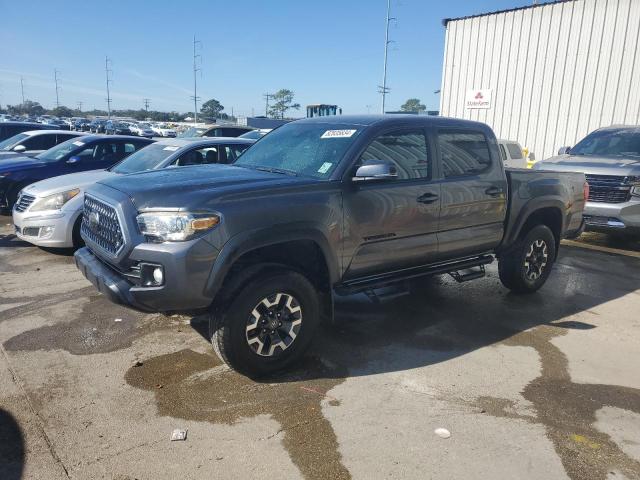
(188, 385)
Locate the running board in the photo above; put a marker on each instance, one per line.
(387, 278)
(468, 274)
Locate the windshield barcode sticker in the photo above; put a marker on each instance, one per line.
(338, 133)
(171, 148)
(326, 166)
(78, 144)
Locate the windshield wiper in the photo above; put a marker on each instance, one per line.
(282, 171)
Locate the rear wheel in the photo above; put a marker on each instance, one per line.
(527, 265)
(268, 324)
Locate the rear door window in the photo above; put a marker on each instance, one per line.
(406, 149)
(514, 151)
(232, 152)
(463, 153)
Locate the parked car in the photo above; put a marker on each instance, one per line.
(163, 130)
(512, 154)
(81, 125)
(142, 130)
(57, 123)
(62, 219)
(33, 142)
(610, 158)
(256, 134)
(215, 131)
(89, 152)
(113, 127)
(9, 129)
(97, 125)
(321, 207)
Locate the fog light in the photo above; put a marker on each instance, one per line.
(158, 275)
(46, 232)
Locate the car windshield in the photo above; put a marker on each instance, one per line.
(253, 135)
(147, 158)
(193, 132)
(11, 142)
(59, 151)
(305, 149)
(615, 143)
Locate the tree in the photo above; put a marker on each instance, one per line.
(283, 101)
(211, 108)
(62, 111)
(413, 105)
(29, 107)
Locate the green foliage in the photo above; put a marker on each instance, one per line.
(27, 108)
(211, 109)
(283, 101)
(62, 111)
(413, 105)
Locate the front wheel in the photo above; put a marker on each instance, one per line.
(268, 325)
(527, 265)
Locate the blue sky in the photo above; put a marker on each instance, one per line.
(326, 51)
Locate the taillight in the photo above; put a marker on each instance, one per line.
(585, 191)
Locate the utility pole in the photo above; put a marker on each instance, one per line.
(267, 97)
(195, 81)
(55, 79)
(108, 73)
(146, 105)
(383, 89)
(80, 107)
(22, 88)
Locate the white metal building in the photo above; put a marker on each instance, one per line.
(545, 75)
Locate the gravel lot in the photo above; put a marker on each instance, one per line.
(544, 386)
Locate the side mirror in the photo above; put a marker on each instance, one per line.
(564, 150)
(376, 170)
(19, 148)
(73, 160)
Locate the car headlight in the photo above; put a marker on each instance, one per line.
(175, 226)
(635, 191)
(55, 201)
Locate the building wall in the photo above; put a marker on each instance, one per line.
(556, 71)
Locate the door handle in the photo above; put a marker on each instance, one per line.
(493, 191)
(428, 198)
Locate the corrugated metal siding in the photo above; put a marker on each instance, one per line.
(556, 71)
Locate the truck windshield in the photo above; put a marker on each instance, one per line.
(146, 158)
(304, 149)
(615, 143)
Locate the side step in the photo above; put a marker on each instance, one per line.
(387, 278)
(468, 274)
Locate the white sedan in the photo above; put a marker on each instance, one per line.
(164, 131)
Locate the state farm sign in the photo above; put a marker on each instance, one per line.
(478, 99)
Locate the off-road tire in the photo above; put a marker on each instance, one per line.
(512, 265)
(228, 324)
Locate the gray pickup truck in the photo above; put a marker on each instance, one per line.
(317, 208)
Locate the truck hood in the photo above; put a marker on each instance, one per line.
(194, 186)
(592, 165)
(63, 183)
(13, 164)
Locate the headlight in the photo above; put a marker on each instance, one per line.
(175, 226)
(55, 201)
(635, 191)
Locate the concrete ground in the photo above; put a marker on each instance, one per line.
(545, 386)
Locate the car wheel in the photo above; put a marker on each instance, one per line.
(527, 265)
(75, 234)
(268, 324)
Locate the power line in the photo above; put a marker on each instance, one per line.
(108, 72)
(55, 79)
(195, 96)
(383, 89)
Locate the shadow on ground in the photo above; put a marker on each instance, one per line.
(12, 447)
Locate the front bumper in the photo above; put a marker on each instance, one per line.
(49, 230)
(186, 265)
(613, 217)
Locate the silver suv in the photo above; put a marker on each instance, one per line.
(610, 159)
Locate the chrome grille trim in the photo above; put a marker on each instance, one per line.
(107, 232)
(24, 202)
(608, 188)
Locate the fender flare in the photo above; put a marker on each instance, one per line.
(527, 210)
(250, 240)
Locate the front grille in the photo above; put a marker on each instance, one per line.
(608, 189)
(24, 202)
(100, 225)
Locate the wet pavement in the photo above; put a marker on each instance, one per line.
(540, 386)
